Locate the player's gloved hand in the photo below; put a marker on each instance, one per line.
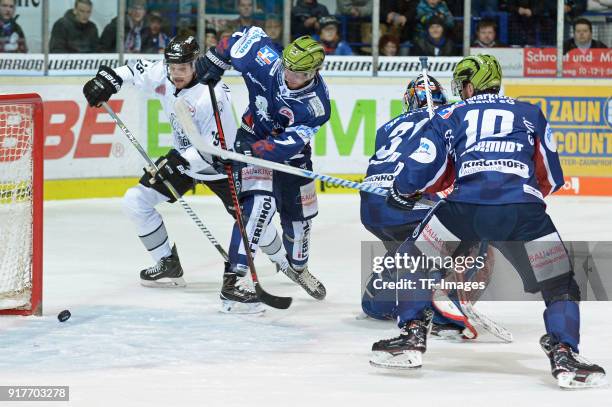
(219, 164)
(105, 84)
(210, 67)
(400, 201)
(169, 167)
(242, 145)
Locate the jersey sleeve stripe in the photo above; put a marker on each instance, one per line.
(544, 176)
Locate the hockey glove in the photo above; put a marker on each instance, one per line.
(170, 167)
(105, 84)
(210, 67)
(400, 201)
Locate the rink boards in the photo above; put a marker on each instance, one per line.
(86, 155)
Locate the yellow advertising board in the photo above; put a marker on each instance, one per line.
(580, 115)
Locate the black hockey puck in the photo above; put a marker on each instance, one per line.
(63, 316)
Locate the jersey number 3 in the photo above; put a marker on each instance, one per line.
(490, 118)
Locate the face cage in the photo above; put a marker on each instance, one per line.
(457, 86)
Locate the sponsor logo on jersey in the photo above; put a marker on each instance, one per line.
(266, 56)
(448, 111)
(261, 104)
(505, 166)
(288, 113)
(244, 44)
(549, 139)
(316, 107)
(426, 152)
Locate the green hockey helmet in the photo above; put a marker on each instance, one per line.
(482, 71)
(304, 54)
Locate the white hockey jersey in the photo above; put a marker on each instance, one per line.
(151, 77)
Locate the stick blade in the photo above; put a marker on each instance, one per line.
(273, 300)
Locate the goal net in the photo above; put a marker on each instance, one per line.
(20, 204)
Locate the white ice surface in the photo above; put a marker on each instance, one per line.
(127, 345)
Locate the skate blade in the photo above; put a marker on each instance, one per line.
(566, 381)
(408, 359)
(165, 283)
(235, 307)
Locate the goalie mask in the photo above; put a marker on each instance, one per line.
(415, 96)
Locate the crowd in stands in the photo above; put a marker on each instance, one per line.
(407, 27)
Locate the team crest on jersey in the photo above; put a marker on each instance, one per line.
(288, 113)
(266, 56)
(262, 108)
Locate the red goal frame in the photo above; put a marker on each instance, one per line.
(37, 198)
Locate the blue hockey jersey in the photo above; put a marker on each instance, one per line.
(500, 150)
(284, 120)
(393, 145)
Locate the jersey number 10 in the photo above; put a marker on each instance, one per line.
(487, 127)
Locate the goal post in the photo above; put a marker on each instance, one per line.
(21, 204)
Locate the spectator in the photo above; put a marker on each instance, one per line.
(359, 26)
(330, 38)
(426, 9)
(573, 9)
(210, 38)
(74, 32)
(136, 33)
(355, 8)
(398, 16)
(305, 16)
(526, 16)
(435, 43)
(245, 17)
(157, 40)
(11, 34)
(583, 37)
(273, 26)
(388, 45)
(486, 35)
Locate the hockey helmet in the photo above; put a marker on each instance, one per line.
(304, 54)
(482, 71)
(181, 50)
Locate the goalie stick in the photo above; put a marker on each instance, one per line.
(184, 118)
(167, 184)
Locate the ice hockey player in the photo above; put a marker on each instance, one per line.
(183, 165)
(505, 162)
(288, 102)
(392, 225)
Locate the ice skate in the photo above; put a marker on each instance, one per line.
(406, 350)
(166, 273)
(571, 370)
(237, 295)
(307, 281)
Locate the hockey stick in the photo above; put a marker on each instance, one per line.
(430, 107)
(167, 184)
(468, 308)
(184, 117)
(204, 147)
